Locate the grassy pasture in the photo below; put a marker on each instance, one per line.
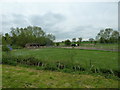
(100, 46)
(22, 77)
(85, 58)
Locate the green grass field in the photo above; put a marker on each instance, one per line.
(37, 77)
(21, 77)
(98, 59)
(101, 46)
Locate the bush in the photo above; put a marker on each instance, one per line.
(13, 60)
(5, 48)
(57, 44)
(67, 42)
(8, 59)
(17, 47)
(67, 70)
(51, 67)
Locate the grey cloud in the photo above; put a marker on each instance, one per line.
(87, 31)
(50, 22)
(47, 20)
(5, 20)
(13, 20)
(81, 31)
(19, 19)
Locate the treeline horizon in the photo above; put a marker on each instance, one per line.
(105, 36)
(35, 34)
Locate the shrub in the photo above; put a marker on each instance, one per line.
(8, 59)
(67, 70)
(17, 47)
(67, 42)
(57, 44)
(51, 67)
(13, 60)
(5, 48)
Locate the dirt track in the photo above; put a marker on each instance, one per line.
(92, 48)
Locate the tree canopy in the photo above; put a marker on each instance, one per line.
(108, 36)
(30, 34)
(67, 42)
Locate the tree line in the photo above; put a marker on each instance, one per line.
(108, 36)
(30, 34)
(105, 36)
(35, 34)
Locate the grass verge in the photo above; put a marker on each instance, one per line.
(21, 77)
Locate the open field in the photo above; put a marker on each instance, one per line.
(59, 44)
(21, 77)
(101, 46)
(84, 68)
(99, 59)
(68, 60)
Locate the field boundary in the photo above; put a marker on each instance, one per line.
(92, 48)
(57, 66)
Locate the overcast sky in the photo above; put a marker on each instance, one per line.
(65, 20)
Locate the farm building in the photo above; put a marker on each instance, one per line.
(32, 45)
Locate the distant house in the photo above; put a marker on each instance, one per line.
(32, 45)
